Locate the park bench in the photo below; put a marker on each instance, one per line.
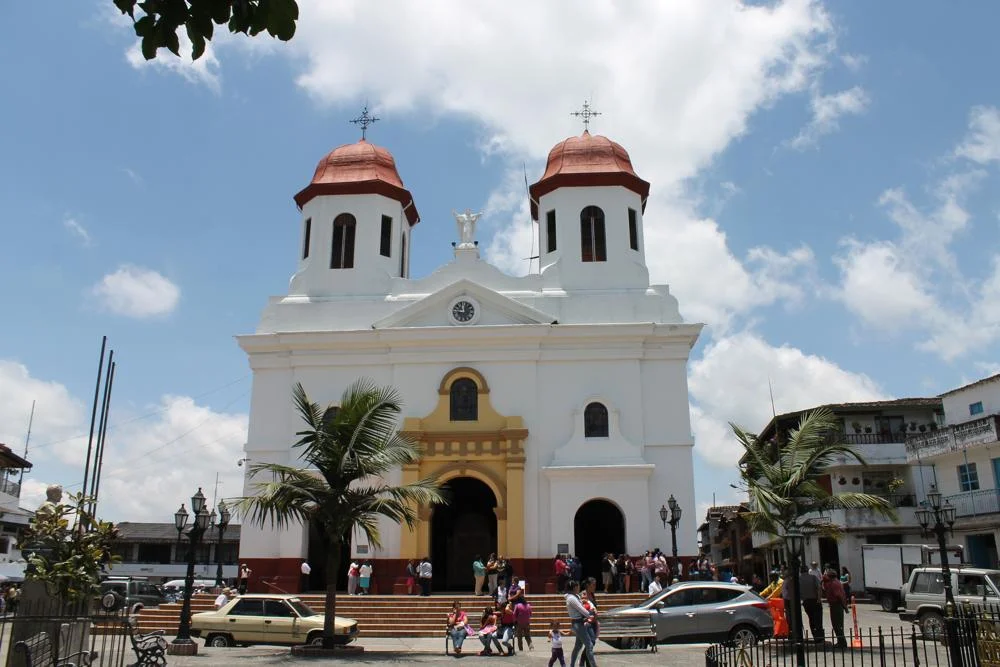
(628, 631)
(150, 649)
(39, 652)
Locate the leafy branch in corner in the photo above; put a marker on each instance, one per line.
(160, 21)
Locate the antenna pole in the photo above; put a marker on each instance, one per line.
(771, 392)
(27, 439)
(93, 413)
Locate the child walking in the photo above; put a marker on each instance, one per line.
(555, 636)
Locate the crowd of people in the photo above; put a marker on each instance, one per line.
(815, 584)
(505, 619)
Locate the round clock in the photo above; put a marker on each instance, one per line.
(464, 310)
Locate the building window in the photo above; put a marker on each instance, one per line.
(4, 545)
(342, 251)
(307, 236)
(592, 235)
(595, 421)
(385, 244)
(402, 257)
(968, 477)
(464, 400)
(550, 231)
(976, 408)
(633, 229)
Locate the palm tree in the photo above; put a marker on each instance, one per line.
(782, 478)
(348, 450)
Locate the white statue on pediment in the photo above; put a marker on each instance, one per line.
(466, 227)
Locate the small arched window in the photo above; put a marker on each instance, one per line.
(342, 248)
(593, 247)
(464, 400)
(595, 421)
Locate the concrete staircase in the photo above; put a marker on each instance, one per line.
(399, 615)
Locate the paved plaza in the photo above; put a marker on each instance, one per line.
(431, 651)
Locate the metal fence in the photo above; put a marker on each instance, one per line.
(90, 635)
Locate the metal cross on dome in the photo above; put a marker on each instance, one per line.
(586, 114)
(364, 120)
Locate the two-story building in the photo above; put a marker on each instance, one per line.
(726, 540)
(964, 459)
(13, 518)
(878, 432)
(152, 550)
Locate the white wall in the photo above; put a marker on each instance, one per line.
(956, 405)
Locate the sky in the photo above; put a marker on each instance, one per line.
(824, 199)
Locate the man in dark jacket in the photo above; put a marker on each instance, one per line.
(809, 588)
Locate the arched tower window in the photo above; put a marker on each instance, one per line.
(595, 421)
(594, 249)
(464, 400)
(342, 250)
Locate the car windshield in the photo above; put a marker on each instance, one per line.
(301, 608)
(653, 599)
(994, 578)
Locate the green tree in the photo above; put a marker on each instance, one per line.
(69, 559)
(349, 449)
(160, 20)
(782, 477)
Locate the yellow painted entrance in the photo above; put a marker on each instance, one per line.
(465, 437)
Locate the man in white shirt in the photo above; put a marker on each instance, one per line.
(426, 574)
(655, 586)
(222, 599)
(306, 571)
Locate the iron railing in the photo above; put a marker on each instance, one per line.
(974, 503)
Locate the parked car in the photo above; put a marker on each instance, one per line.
(886, 567)
(134, 592)
(268, 619)
(694, 611)
(923, 595)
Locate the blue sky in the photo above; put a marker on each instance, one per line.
(824, 198)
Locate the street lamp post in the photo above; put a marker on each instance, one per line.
(671, 516)
(183, 644)
(795, 542)
(943, 517)
(224, 516)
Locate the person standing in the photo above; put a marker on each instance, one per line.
(426, 573)
(478, 574)
(560, 570)
(809, 589)
(578, 616)
(522, 616)
(244, 581)
(411, 576)
(845, 581)
(493, 574)
(833, 590)
(365, 571)
(305, 571)
(353, 576)
(815, 571)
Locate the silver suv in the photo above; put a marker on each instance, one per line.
(923, 595)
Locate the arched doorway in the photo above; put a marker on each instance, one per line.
(598, 528)
(460, 530)
(316, 557)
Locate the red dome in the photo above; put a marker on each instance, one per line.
(587, 161)
(359, 169)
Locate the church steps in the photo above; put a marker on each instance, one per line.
(397, 615)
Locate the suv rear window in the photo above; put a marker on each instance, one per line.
(928, 582)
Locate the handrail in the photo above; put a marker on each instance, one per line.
(274, 586)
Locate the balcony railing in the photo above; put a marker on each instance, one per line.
(10, 487)
(974, 503)
(883, 438)
(955, 438)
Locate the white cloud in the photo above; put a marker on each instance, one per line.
(982, 144)
(133, 291)
(148, 469)
(914, 282)
(204, 71)
(730, 384)
(827, 110)
(74, 227)
(854, 61)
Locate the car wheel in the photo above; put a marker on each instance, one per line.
(219, 641)
(315, 639)
(744, 635)
(932, 624)
(889, 602)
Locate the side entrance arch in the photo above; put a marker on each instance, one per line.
(598, 528)
(461, 530)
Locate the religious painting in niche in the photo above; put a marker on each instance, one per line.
(464, 400)
(595, 421)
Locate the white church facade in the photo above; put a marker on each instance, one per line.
(554, 405)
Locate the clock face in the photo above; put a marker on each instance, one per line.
(463, 311)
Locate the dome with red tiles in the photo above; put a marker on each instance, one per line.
(358, 169)
(587, 161)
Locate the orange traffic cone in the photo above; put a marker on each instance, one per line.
(856, 639)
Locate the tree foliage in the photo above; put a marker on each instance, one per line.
(160, 21)
(349, 450)
(782, 478)
(67, 558)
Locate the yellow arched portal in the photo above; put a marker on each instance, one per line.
(489, 448)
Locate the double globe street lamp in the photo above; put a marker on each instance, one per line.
(671, 514)
(183, 644)
(943, 519)
(224, 516)
(795, 542)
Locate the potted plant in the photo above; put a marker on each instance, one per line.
(842, 481)
(895, 484)
(868, 429)
(923, 428)
(932, 426)
(856, 426)
(913, 426)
